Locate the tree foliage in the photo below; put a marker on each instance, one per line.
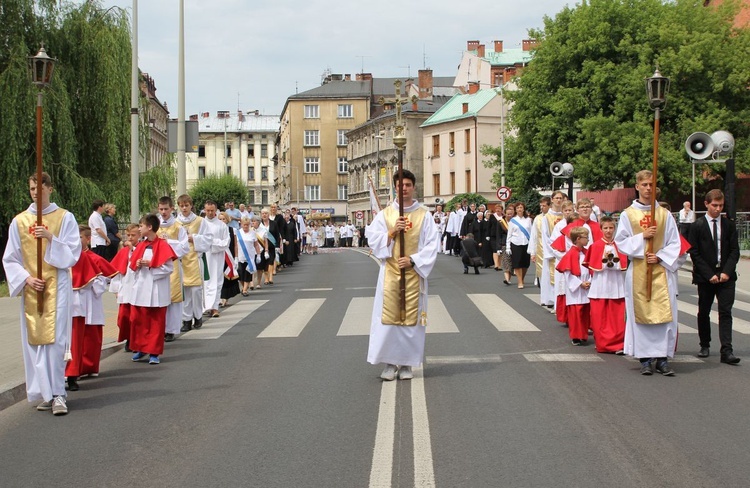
(582, 98)
(220, 189)
(455, 202)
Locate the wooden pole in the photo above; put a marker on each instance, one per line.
(401, 234)
(654, 171)
(39, 196)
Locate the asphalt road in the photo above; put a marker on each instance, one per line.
(283, 398)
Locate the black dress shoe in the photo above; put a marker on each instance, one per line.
(198, 323)
(168, 337)
(466, 271)
(73, 383)
(703, 352)
(730, 359)
(506, 282)
(187, 326)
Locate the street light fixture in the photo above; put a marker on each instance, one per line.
(41, 67)
(657, 87)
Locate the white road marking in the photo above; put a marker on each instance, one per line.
(424, 470)
(738, 325)
(361, 288)
(292, 321)
(535, 358)
(231, 316)
(678, 358)
(381, 471)
(358, 317)
(314, 289)
(488, 358)
(744, 306)
(500, 314)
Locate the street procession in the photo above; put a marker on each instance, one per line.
(505, 269)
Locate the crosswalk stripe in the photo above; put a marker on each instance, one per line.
(356, 321)
(487, 358)
(231, 316)
(501, 315)
(738, 325)
(292, 321)
(535, 358)
(744, 306)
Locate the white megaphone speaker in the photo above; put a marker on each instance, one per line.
(556, 168)
(439, 201)
(723, 142)
(700, 145)
(567, 169)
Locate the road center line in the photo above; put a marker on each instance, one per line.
(424, 471)
(381, 471)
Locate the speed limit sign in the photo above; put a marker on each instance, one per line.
(503, 193)
(359, 215)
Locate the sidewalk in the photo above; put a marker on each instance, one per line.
(12, 383)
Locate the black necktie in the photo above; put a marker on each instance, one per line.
(716, 240)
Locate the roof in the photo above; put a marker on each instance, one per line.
(232, 123)
(336, 89)
(453, 109)
(508, 57)
(423, 107)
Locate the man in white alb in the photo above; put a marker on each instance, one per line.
(214, 259)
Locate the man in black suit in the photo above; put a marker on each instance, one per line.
(714, 261)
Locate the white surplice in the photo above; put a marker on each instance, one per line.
(180, 246)
(219, 235)
(192, 304)
(400, 344)
(649, 340)
(45, 365)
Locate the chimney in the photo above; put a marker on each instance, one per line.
(498, 46)
(415, 106)
(529, 44)
(363, 77)
(472, 45)
(425, 83)
(473, 87)
(194, 117)
(240, 116)
(205, 115)
(480, 51)
(465, 107)
(347, 77)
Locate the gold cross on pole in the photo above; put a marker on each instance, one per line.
(399, 137)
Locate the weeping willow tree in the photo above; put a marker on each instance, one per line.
(86, 146)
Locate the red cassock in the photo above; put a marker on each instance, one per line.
(148, 324)
(120, 263)
(577, 315)
(607, 314)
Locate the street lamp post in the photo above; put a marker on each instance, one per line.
(42, 67)
(657, 87)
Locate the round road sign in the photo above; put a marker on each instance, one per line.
(503, 193)
(360, 215)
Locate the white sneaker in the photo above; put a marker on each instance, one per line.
(405, 373)
(59, 407)
(44, 406)
(389, 373)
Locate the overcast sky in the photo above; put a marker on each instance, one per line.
(253, 55)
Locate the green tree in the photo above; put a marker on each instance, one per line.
(455, 202)
(582, 98)
(220, 189)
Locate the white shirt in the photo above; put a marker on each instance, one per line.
(96, 221)
(687, 217)
(718, 232)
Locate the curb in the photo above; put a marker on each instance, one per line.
(11, 393)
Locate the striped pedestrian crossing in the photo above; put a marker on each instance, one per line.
(231, 316)
(358, 317)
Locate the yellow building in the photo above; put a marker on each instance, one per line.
(312, 168)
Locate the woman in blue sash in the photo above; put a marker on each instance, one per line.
(519, 233)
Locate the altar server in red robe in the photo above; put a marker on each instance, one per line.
(122, 283)
(607, 293)
(577, 284)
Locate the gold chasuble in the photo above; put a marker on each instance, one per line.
(175, 280)
(539, 251)
(552, 221)
(40, 330)
(658, 310)
(191, 271)
(392, 280)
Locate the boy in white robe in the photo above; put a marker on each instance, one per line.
(199, 241)
(214, 256)
(171, 231)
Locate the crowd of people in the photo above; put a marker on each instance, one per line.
(175, 269)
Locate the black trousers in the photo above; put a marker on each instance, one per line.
(724, 294)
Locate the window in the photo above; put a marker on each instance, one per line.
(229, 170)
(467, 140)
(343, 192)
(251, 196)
(346, 111)
(312, 112)
(229, 151)
(453, 182)
(312, 192)
(468, 181)
(251, 150)
(264, 197)
(251, 173)
(343, 165)
(341, 137)
(435, 146)
(202, 151)
(264, 173)
(264, 150)
(312, 165)
(201, 172)
(312, 138)
(452, 144)
(436, 184)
